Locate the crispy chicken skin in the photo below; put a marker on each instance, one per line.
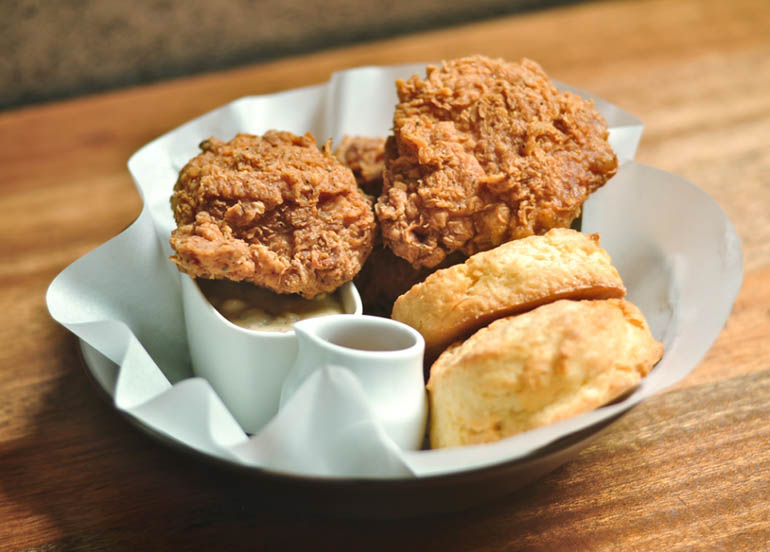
(484, 151)
(366, 158)
(273, 210)
(385, 277)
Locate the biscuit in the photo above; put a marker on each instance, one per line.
(537, 368)
(519, 275)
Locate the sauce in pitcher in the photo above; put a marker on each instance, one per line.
(257, 308)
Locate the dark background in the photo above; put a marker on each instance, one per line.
(55, 49)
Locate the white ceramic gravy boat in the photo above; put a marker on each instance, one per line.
(385, 355)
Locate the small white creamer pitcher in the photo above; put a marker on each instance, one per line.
(386, 356)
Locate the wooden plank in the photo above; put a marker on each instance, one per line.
(685, 470)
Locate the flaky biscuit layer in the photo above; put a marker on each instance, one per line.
(514, 277)
(537, 368)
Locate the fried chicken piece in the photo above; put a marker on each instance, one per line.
(366, 158)
(385, 277)
(273, 210)
(484, 151)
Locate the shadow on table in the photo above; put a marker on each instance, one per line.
(90, 480)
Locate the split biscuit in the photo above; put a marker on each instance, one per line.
(514, 277)
(537, 368)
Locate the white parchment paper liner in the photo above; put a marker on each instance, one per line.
(675, 249)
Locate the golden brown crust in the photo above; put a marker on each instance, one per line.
(273, 210)
(385, 277)
(514, 277)
(485, 151)
(366, 158)
(537, 368)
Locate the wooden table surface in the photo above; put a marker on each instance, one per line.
(688, 469)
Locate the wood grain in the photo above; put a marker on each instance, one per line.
(686, 470)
